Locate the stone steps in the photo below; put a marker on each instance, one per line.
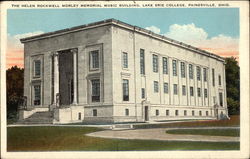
(38, 118)
(122, 127)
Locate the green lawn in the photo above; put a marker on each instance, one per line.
(210, 132)
(73, 139)
(234, 121)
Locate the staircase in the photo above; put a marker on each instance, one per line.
(45, 117)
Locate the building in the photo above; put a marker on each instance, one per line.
(110, 71)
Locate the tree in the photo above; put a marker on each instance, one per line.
(14, 84)
(233, 85)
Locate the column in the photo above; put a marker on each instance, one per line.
(74, 51)
(56, 78)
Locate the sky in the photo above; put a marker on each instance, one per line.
(212, 29)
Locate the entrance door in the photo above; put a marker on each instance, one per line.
(146, 113)
(66, 77)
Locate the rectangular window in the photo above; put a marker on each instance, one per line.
(156, 88)
(37, 94)
(79, 116)
(95, 90)
(127, 112)
(155, 63)
(165, 87)
(165, 65)
(143, 93)
(183, 90)
(200, 113)
(175, 89)
(205, 93)
(185, 113)
(176, 112)
(191, 91)
(94, 59)
(125, 89)
(37, 68)
(206, 113)
(221, 99)
(94, 112)
(213, 80)
(205, 74)
(220, 80)
(193, 113)
(142, 62)
(198, 69)
(183, 70)
(174, 67)
(199, 92)
(191, 71)
(167, 112)
(125, 59)
(157, 112)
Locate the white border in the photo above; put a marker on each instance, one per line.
(244, 65)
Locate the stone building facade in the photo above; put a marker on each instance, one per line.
(110, 71)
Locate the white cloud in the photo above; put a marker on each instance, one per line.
(198, 37)
(154, 29)
(14, 41)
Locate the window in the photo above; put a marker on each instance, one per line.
(213, 80)
(221, 99)
(125, 59)
(200, 113)
(94, 112)
(142, 61)
(191, 71)
(220, 80)
(198, 73)
(205, 93)
(183, 70)
(175, 89)
(214, 99)
(185, 113)
(79, 116)
(199, 92)
(165, 65)
(155, 63)
(193, 113)
(94, 59)
(167, 112)
(157, 112)
(127, 112)
(205, 74)
(206, 113)
(125, 88)
(37, 94)
(156, 89)
(176, 112)
(183, 90)
(191, 91)
(37, 68)
(95, 90)
(165, 87)
(174, 68)
(143, 93)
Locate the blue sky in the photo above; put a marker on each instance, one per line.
(212, 29)
(214, 21)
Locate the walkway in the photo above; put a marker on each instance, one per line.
(159, 134)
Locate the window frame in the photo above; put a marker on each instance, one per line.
(199, 92)
(124, 60)
(94, 112)
(142, 61)
(191, 71)
(165, 65)
(198, 73)
(184, 90)
(35, 68)
(155, 63)
(95, 93)
(175, 89)
(143, 93)
(191, 91)
(34, 100)
(165, 87)
(205, 74)
(156, 86)
(125, 90)
(93, 65)
(174, 65)
(126, 112)
(157, 113)
(183, 70)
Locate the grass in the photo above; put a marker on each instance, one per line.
(234, 121)
(210, 132)
(73, 139)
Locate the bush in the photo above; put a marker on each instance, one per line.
(233, 106)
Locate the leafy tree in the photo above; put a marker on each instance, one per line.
(233, 85)
(14, 84)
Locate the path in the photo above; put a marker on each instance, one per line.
(159, 134)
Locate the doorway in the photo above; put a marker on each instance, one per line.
(66, 77)
(146, 118)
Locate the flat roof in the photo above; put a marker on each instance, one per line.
(126, 26)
